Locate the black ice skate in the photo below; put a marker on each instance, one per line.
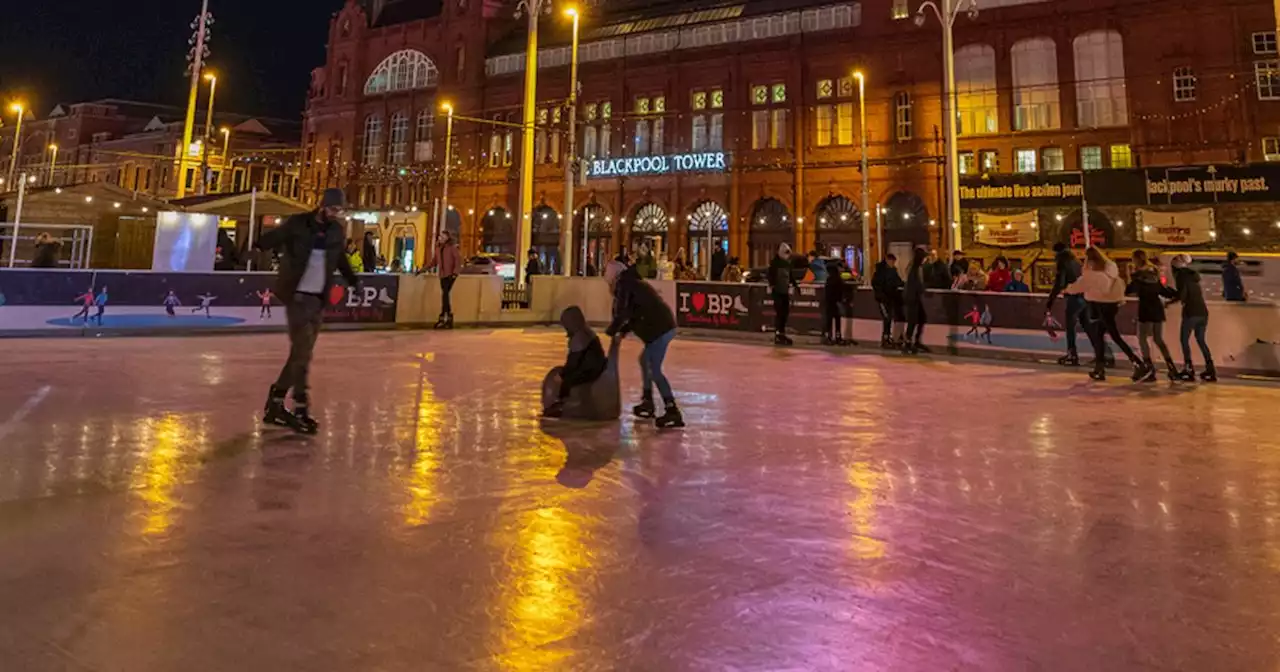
(781, 339)
(1188, 375)
(645, 409)
(442, 322)
(1140, 370)
(1210, 374)
(671, 418)
(274, 413)
(1069, 359)
(303, 422)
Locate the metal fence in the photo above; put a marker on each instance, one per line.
(18, 249)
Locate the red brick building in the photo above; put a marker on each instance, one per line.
(1042, 86)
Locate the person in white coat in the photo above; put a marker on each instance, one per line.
(1103, 289)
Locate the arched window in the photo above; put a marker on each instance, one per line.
(399, 138)
(1101, 98)
(976, 99)
(1035, 85)
(423, 147)
(402, 71)
(372, 140)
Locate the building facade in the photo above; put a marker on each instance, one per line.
(135, 145)
(764, 92)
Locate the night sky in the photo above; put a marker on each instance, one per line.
(54, 51)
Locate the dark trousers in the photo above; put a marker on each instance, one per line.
(831, 318)
(1078, 315)
(1197, 326)
(1104, 324)
(916, 320)
(304, 313)
(446, 288)
(782, 311)
(890, 312)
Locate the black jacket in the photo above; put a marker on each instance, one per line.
(583, 367)
(294, 239)
(781, 279)
(1189, 293)
(719, 260)
(638, 308)
(913, 290)
(369, 256)
(886, 284)
(1232, 283)
(834, 290)
(939, 275)
(1068, 271)
(959, 269)
(46, 255)
(1145, 284)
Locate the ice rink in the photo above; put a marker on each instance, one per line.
(821, 512)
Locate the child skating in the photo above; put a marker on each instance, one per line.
(171, 301)
(206, 300)
(266, 297)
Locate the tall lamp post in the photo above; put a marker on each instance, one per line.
(442, 223)
(524, 223)
(53, 161)
(226, 155)
(208, 131)
(20, 110)
(866, 176)
(571, 160)
(947, 11)
(201, 26)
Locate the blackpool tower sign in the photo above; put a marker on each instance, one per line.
(701, 162)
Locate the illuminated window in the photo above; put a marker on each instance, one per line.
(1052, 158)
(1024, 160)
(769, 120)
(399, 138)
(1101, 95)
(1035, 85)
(372, 140)
(1184, 84)
(1091, 158)
(902, 116)
(968, 163)
(1121, 156)
(976, 98)
(402, 71)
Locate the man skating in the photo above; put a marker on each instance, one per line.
(311, 247)
(637, 308)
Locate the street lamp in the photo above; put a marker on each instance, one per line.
(201, 26)
(531, 8)
(571, 159)
(947, 11)
(442, 222)
(866, 176)
(208, 130)
(53, 160)
(20, 110)
(226, 155)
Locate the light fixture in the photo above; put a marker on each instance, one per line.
(1213, 234)
(116, 204)
(1007, 226)
(933, 222)
(1246, 231)
(982, 227)
(393, 213)
(1146, 229)
(31, 180)
(88, 199)
(844, 218)
(471, 211)
(58, 190)
(489, 214)
(822, 220)
(145, 210)
(1058, 216)
(906, 216)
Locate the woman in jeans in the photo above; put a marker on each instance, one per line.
(1104, 290)
(1144, 282)
(447, 264)
(1195, 319)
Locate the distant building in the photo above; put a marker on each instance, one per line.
(135, 146)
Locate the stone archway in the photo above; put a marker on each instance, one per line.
(498, 231)
(838, 224)
(545, 237)
(599, 237)
(708, 232)
(649, 224)
(770, 226)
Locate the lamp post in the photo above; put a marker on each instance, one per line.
(442, 222)
(571, 159)
(866, 176)
(208, 131)
(53, 160)
(524, 224)
(20, 110)
(197, 62)
(947, 11)
(226, 154)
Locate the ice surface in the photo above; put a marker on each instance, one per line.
(821, 512)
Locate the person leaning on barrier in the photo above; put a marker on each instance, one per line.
(47, 251)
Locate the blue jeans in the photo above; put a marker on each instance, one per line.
(651, 367)
(1198, 325)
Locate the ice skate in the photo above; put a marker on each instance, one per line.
(1098, 373)
(645, 409)
(671, 417)
(782, 339)
(1172, 372)
(441, 322)
(449, 321)
(1069, 359)
(303, 422)
(1210, 374)
(887, 343)
(1140, 370)
(1187, 375)
(275, 413)
(1149, 372)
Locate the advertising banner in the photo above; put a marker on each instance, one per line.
(145, 301)
(1191, 227)
(714, 305)
(1007, 230)
(1173, 185)
(806, 310)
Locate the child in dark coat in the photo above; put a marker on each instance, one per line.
(836, 303)
(584, 365)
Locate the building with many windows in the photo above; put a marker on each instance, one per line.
(1130, 91)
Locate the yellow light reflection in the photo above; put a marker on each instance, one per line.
(161, 471)
(426, 459)
(866, 481)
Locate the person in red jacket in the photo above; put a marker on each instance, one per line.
(447, 262)
(999, 276)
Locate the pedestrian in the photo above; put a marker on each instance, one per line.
(447, 262)
(639, 309)
(532, 265)
(1017, 285)
(886, 286)
(1232, 280)
(719, 261)
(834, 301)
(732, 272)
(1144, 282)
(913, 292)
(171, 301)
(1104, 290)
(959, 267)
(938, 272)
(369, 253)
(47, 251)
(1195, 319)
(353, 257)
(1000, 276)
(311, 249)
(1077, 309)
(781, 282)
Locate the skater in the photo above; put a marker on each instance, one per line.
(171, 301)
(446, 263)
(1232, 280)
(1104, 290)
(1195, 319)
(886, 285)
(913, 298)
(100, 302)
(975, 319)
(1144, 282)
(638, 308)
(585, 364)
(1068, 271)
(206, 300)
(311, 250)
(781, 283)
(265, 296)
(86, 304)
(835, 302)
(369, 253)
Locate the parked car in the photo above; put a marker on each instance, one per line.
(503, 265)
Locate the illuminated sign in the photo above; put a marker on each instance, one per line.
(658, 165)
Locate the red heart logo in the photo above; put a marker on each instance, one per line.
(336, 294)
(699, 301)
